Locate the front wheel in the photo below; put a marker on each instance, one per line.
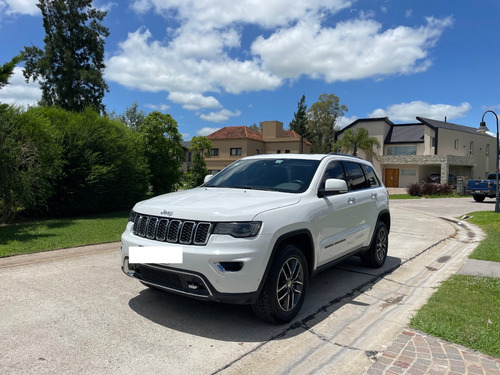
(377, 253)
(285, 287)
(478, 198)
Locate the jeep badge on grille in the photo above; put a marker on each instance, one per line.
(166, 213)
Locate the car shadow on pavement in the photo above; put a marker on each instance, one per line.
(328, 291)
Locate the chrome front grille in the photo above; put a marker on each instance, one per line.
(172, 230)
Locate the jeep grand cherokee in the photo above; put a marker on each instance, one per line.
(258, 230)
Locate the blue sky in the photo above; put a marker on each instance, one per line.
(216, 63)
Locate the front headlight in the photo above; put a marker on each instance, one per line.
(132, 215)
(238, 230)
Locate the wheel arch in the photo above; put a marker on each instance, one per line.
(385, 217)
(301, 238)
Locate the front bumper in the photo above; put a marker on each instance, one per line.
(226, 269)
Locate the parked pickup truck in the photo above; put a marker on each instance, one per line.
(481, 189)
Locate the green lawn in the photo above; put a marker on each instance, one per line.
(32, 237)
(489, 222)
(466, 309)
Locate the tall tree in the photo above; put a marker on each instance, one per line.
(200, 147)
(322, 117)
(299, 122)
(7, 69)
(352, 141)
(133, 117)
(163, 151)
(70, 67)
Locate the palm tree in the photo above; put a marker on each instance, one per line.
(352, 141)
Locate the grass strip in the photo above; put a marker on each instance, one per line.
(37, 236)
(489, 222)
(465, 310)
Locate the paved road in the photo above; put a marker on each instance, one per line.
(79, 314)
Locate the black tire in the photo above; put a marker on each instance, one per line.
(377, 253)
(285, 288)
(478, 198)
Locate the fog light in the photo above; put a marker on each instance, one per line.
(229, 266)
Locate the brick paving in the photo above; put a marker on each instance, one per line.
(416, 353)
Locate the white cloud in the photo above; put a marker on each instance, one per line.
(220, 116)
(206, 131)
(210, 14)
(206, 55)
(194, 101)
(354, 49)
(343, 121)
(18, 92)
(409, 111)
(157, 107)
(21, 7)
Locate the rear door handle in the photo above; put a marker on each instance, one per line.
(374, 196)
(351, 200)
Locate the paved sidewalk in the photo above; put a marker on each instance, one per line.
(416, 353)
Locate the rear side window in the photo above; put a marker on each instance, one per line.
(371, 177)
(355, 176)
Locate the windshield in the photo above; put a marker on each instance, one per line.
(284, 175)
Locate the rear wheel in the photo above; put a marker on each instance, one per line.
(377, 253)
(478, 198)
(285, 287)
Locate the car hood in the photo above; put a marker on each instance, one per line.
(215, 204)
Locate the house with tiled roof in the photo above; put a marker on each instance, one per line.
(410, 153)
(234, 142)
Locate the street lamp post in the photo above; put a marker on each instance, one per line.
(483, 129)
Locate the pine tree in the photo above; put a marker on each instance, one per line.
(299, 122)
(70, 67)
(7, 69)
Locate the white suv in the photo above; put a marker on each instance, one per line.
(258, 230)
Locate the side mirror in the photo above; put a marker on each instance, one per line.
(207, 178)
(333, 186)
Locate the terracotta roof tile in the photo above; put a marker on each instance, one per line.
(233, 132)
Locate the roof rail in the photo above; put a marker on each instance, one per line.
(340, 154)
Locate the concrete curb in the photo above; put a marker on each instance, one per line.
(48, 256)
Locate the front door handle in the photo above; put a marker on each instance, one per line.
(351, 200)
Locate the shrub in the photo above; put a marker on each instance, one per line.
(414, 190)
(102, 164)
(430, 188)
(163, 151)
(29, 162)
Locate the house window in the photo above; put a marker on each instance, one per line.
(471, 148)
(456, 144)
(287, 151)
(257, 151)
(433, 142)
(214, 152)
(487, 150)
(402, 150)
(235, 151)
(278, 152)
(408, 172)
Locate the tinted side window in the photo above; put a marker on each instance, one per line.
(333, 170)
(371, 177)
(355, 176)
